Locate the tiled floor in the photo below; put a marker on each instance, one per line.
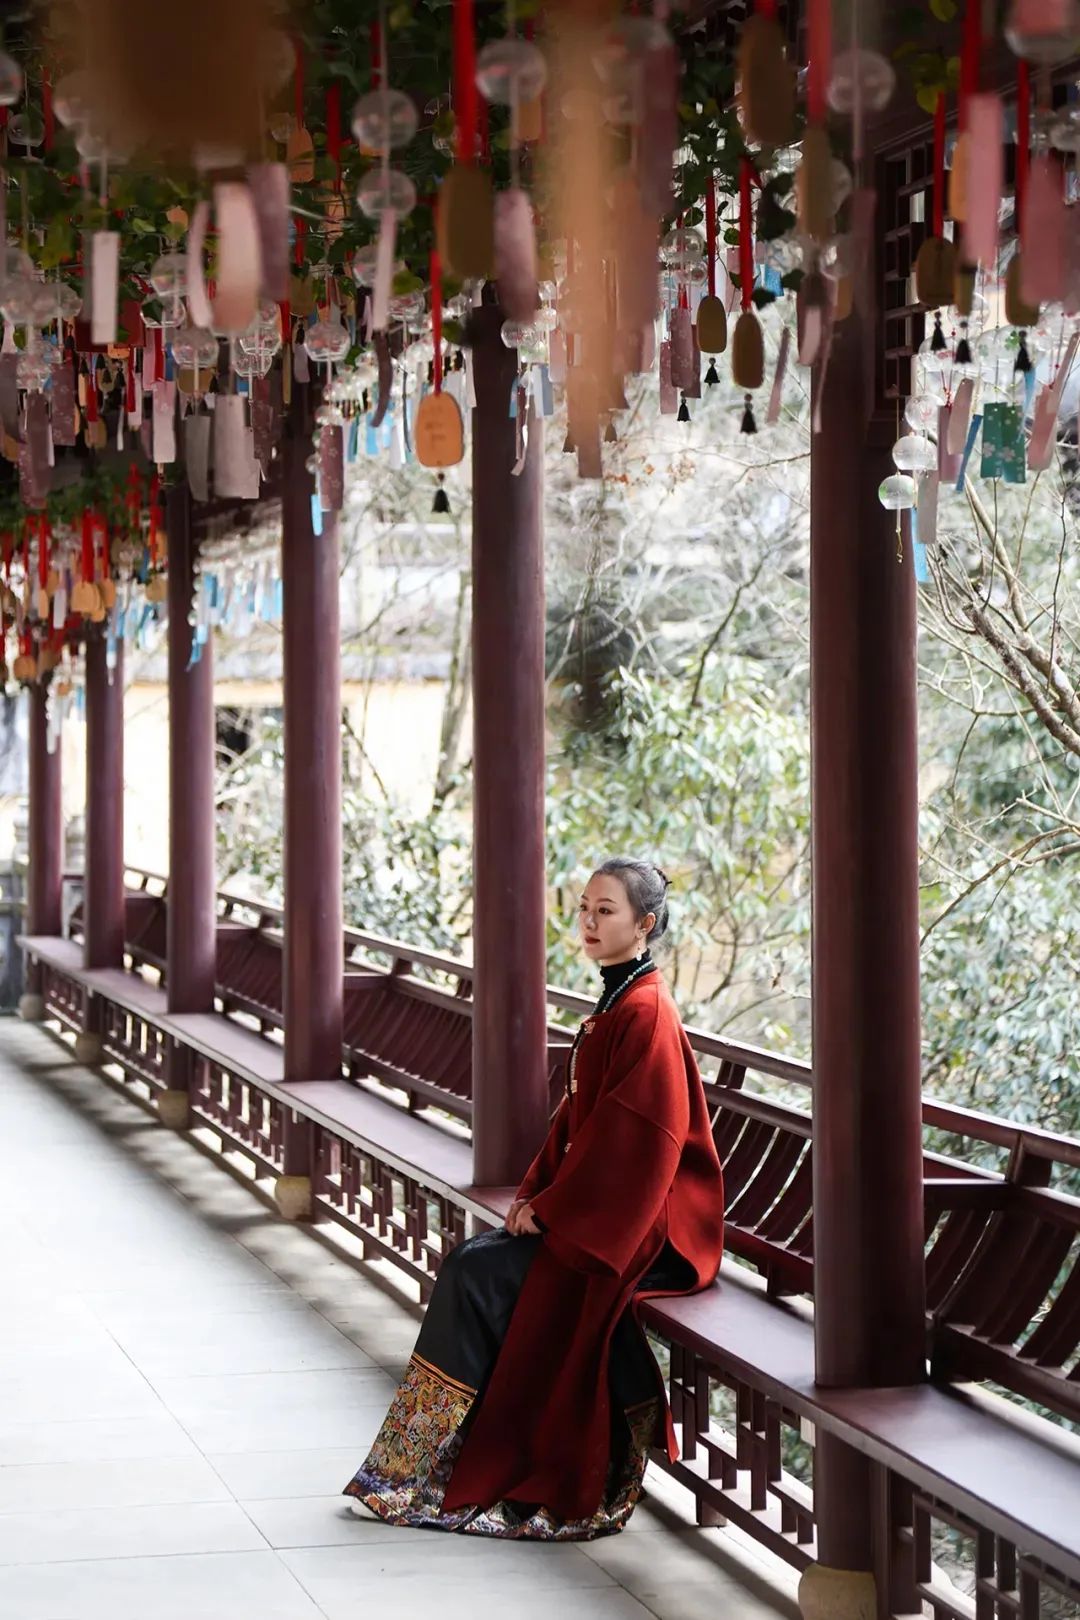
(186, 1383)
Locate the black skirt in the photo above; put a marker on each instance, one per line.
(405, 1475)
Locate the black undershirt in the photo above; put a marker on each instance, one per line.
(615, 975)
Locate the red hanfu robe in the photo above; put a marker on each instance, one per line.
(629, 1163)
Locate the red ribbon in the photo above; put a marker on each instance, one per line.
(333, 128)
(766, 8)
(746, 234)
(436, 316)
(87, 546)
(970, 52)
(939, 165)
(465, 93)
(819, 46)
(129, 385)
(710, 232)
(43, 550)
(1023, 137)
(301, 235)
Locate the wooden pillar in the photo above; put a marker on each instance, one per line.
(509, 1073)
(103, 890)
(868, 1194)
(46, 838)
(191, 916)
(103, 904)
(314, 944)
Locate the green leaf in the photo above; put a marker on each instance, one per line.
(943, 10)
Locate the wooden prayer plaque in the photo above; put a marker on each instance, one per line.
(935, 272)
(814, 185)
(766, 82)
(1017, 311)
(439, 431)
(466, 223)
(712, 326)
(748, 352)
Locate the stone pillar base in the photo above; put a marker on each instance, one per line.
(837, 1594)
(32, 1008)
(292, 1194)
(174, 1109)
(89, 1048)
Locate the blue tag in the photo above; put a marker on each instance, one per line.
(918, 550)
(170, 364)
(243, 386)
(278, 598)
(371, 439)
(770, 279)
(316, 515)
(973, 434)
(513, 399)
(354, 439)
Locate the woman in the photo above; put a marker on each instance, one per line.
(532, 1398)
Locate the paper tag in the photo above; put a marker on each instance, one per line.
(104, 285)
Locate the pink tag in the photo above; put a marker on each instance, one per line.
(776, 396)
(682, 349)
(269, 186)
(331, 468)
(236, 469)
(1043, 235)
(985, 175)
(515, 254)
(239, 261)
(197, 455)
(948, 460)
(198, 302)
(164, 423)
(63, 405)
(959, 417)
(104, 285)
(928, 499)
(669, 399)
(384, 272)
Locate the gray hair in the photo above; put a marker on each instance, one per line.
(646, 888)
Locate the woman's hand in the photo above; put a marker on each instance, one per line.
(520, 1220)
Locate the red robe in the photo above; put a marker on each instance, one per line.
(628, 1163)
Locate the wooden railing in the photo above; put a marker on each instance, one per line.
(1002, 1244)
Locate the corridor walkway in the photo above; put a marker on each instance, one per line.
(186, 1383)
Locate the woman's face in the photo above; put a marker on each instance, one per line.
(610, 932)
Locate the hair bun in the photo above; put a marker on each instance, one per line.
(662, 875)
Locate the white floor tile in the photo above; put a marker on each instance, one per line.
(222, 1586)
(263, 1475)
(110, 1483)
(316, 1521)
(158, 1435)
(51, 1536)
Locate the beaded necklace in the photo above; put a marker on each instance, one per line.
(605, 1004)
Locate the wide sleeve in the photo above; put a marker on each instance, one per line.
(616, 1175)
(541, 1173)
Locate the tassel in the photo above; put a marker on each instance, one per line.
(569, 446)
(1023, 358)
(684, 411)
(937, 341)
(441, 503)
(748, 423)
(963, 348)
(712, 376)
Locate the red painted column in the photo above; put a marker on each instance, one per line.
(192, 922)
(868, 1192)
(314, 944)
(103, 904)
(510, 1103)
(46, 838)
(191, 915)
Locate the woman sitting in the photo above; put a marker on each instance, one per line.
(532, 1398)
